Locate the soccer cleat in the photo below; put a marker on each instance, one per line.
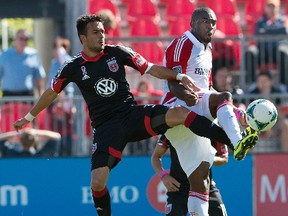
(248, 141)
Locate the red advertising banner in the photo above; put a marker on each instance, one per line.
(270, 184)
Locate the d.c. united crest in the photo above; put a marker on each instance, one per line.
(112, 64)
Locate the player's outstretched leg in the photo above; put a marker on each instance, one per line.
(249, 140)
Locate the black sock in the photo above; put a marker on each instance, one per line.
(102, 202)
(202, 126)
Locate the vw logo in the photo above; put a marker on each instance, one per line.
(106, 87)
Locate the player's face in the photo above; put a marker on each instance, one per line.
(205, 27)
(95, 38)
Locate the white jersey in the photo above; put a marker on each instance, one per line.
(189, 56)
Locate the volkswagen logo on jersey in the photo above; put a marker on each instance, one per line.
(106, 87)
(112, 64)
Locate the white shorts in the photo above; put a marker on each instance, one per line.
(192, 149)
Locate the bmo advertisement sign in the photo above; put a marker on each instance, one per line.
(271, 185)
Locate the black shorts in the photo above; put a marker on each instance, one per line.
(216, 206)
(176, 204)
(137, 123)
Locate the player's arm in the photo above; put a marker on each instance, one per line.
(220, 160)
(138, 62)
(177, 89)
(44, 101)
(46, 133)
(156, 160)
(221, 157)
(162, 72)
(8, 135)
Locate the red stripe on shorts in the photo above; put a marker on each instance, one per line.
(147, 123)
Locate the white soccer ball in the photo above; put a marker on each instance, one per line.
(261, 115)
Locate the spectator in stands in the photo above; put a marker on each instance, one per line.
(61, 49)
(265, 87)
(109, 21)
(146, 94)
(62, 113)
(274, 139)
(32, 142)
(224, 53)
(21, 69)
(271, 23)
(223, 81)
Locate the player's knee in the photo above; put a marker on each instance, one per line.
(176, 115)
(225, 96)
(97, 185)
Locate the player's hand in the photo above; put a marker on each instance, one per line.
(189, 83)
(243, 121)
(171, 183)
(191, 98)
(20, 123)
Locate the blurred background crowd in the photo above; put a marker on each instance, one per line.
(249, 60)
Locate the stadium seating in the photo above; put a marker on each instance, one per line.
(179, 8)
(178, 27)
(253, 11)
(141, 9)
(223, 7)
(95, 5)
(144, 27)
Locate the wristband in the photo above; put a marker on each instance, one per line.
(163, 173)
(29, 117)
(180, 76)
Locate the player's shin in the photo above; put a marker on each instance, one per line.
(102, 202)
(202, 126)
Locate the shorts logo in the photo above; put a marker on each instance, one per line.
(168, 208)
(112, 64)
(177, 69)
(94, 147)
(106, 87)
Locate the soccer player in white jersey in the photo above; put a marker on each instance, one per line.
(191, 54)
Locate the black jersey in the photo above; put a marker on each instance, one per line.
(102, 80)
(176, 170)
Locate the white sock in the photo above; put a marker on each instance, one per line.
(198, 203)
(228, 121)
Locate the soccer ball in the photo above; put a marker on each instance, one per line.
(261, 115)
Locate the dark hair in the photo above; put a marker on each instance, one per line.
(27, 139)
(83, 20)
(265, 73)
(198, 13)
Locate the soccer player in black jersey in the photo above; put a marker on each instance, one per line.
(177, 183)
(99, 72)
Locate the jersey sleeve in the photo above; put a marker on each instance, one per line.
(133, 59)
(177, 55)
(61, 79)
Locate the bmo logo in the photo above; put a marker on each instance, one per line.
(128, 194)
(156, 193)
(13, 195)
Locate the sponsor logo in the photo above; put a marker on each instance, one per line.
(202, 71)
(13, 195)
(156, 193)
(106, 87)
